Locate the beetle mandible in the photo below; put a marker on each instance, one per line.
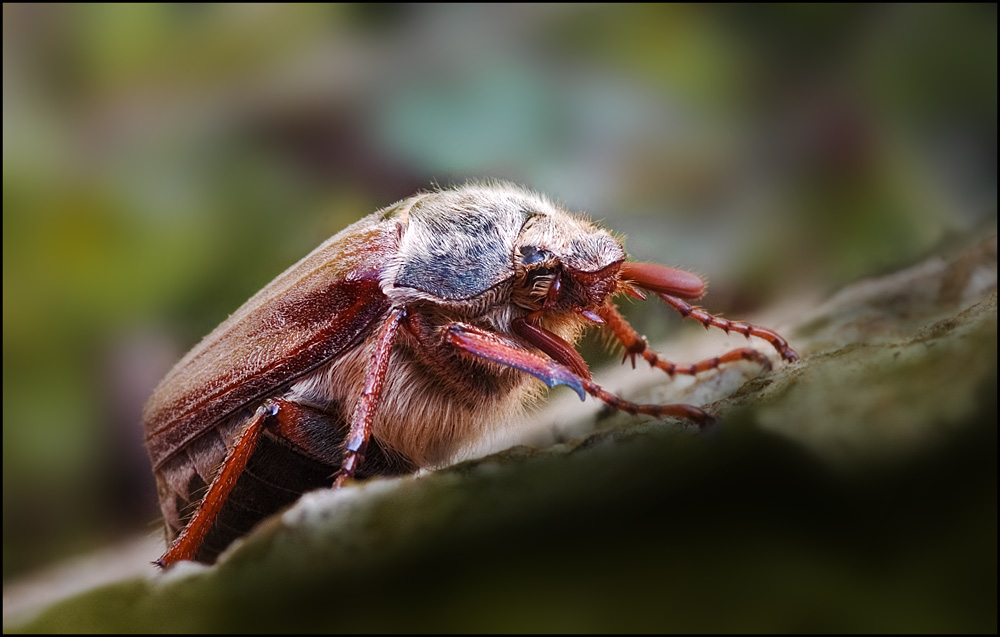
(393, 344)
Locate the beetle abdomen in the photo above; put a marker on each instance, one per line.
(276, 475)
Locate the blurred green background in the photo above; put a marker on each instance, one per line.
(163, 162)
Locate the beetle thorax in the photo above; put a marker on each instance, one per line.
(492, 254)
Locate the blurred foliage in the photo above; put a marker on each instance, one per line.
(163, 162)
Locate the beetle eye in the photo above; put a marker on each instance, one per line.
(531, 255)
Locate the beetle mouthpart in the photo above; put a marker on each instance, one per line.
(634, 292)
(590, 316)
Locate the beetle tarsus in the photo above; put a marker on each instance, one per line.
(346, 471)
(694, 414)
(746, 329)
(635, 345)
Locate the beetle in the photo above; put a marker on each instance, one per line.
(397, 341)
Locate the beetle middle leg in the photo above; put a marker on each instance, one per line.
(484, 344)
(364, 411)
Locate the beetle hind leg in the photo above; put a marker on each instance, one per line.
(185, 546)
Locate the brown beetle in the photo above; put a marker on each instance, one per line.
(393, 344)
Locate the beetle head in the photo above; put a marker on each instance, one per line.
(563, 263)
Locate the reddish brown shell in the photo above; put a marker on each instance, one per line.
(312, 312)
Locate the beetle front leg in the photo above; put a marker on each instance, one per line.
(709, 320)
(485, 345)
(364, 410)
(636, 345)
(674, 286)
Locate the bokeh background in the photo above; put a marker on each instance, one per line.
(163, 162)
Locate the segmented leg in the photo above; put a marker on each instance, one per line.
(552, 345)
(708, 320)
(688, 412)
(481, 343)
(364, 410)
(673, 286)
(187, 543)
(636, 345)
(484, 344)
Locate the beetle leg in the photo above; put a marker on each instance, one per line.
(636, 345)
(552, 345)
(296, 423)
(364, 410)
(673, 286)
(708, 320)
(187, 543)
(485, 345)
